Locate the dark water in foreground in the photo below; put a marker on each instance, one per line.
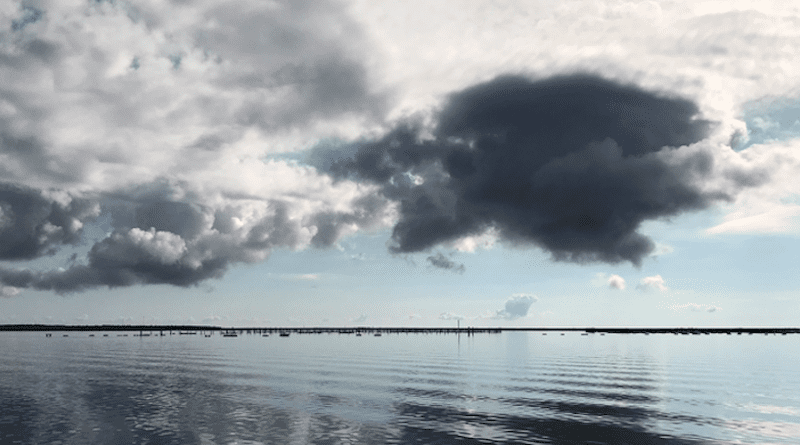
(514, 387)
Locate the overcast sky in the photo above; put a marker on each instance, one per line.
(317, 162)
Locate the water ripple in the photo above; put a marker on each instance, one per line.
(509, 388)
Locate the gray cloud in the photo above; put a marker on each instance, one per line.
(516, 307)
(276, 68)
(299, 50)
(450, 316)
(442, 262)
(157, 239)
(34, 223)
(331, 226)
(177, 99)
(28, 15)
(572, 164)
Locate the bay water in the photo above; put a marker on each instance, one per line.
(506, 388)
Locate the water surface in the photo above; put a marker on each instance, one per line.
(514, 387)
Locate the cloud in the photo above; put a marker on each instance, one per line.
(662, 249)
(123, 320)
(442, 262)
(713, 53)
(360, 319)
(772, 207)
(8, 291)
(616, 282)
(654, 282)
(486, 240)
(34, 223)
(516, 307)
(450, 316)
(572, 164)
(777, 219)
(305, 277)
(162, 236)
(613, 282)
(695, 307)
(213, 319)
(162, 117)
(179, 123)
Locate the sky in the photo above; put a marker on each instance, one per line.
(400, 163)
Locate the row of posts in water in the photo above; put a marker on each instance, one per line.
(285, 332)
(207, 331)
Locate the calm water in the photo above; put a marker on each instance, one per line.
(513, 387)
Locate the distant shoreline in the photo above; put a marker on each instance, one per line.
(399, 330)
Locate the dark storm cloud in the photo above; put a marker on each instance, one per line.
(158, 239)
(33, 224)
(572, 164)
(130, 257)
(442, 262)
(126, 258)
(331, 225)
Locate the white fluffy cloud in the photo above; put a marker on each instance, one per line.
(516, 307)
(486, 240)
(612, 282)
(722, 51)
(771, 208)
(8, 291)
(655, 282)
(113, 94)
(616, 282)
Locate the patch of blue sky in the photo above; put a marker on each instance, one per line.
(290, 157)
(176, 60)
(320, 154)
(770, 119)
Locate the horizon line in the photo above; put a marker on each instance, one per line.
(193, 327)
